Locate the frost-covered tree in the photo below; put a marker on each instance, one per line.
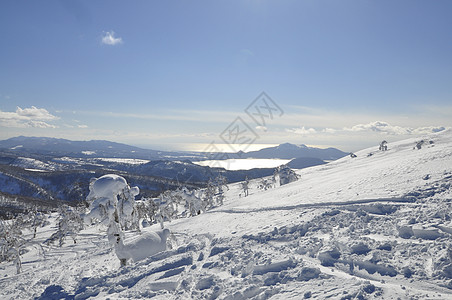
(213, 194)
(168, 205)
(221, 184)
(284, 174)
(35, 219)
(69, 224)
(245, 186)
(193, 203)
(265, 184)
(12, 242)
(208, 195)
(112, 202)
(147, 209)
(383, 146)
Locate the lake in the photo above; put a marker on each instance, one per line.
(243, 164)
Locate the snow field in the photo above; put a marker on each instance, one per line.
(372, 227)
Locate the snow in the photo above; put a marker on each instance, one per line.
(144, 245)
(107, 186)
(31, 164)
(35, 170)
(371, 227)
(87, 152)
(130, 161)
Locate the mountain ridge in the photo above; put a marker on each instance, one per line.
(104, 148)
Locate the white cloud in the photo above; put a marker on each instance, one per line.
(329, 130)
(35, 113)
(386, 128)
(82, 126)
(379, 126)
(261, 128)
(27, 117)
(430, 129)
(302, 130)
(110, 39)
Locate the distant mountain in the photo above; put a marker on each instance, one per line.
(99, 148)
(94, 148)
(290, 151)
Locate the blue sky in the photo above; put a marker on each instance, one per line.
(175, 74)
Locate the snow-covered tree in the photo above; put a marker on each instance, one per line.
(383, 146)
(208, 195)
(12, 242)
(193, 202)
(112, 202)
(168, 205)
(69, 224)
(35, 219)
(245, 186)
(284, 174)
(265, 184)
(221, 184)
(147, 209)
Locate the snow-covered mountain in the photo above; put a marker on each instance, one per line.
(290, 151)
(377, 226)
(99, 148)
(95, 148)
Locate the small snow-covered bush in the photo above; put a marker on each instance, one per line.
(265, 184)
(284, 174)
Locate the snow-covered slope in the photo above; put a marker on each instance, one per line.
(377, 226)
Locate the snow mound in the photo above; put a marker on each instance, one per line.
(144, 245)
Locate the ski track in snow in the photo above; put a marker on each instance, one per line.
(372, 227)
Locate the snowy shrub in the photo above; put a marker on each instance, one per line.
(421, 143)
(265, 184)
(284, 174)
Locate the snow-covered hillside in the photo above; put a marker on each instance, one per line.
(377, 226)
